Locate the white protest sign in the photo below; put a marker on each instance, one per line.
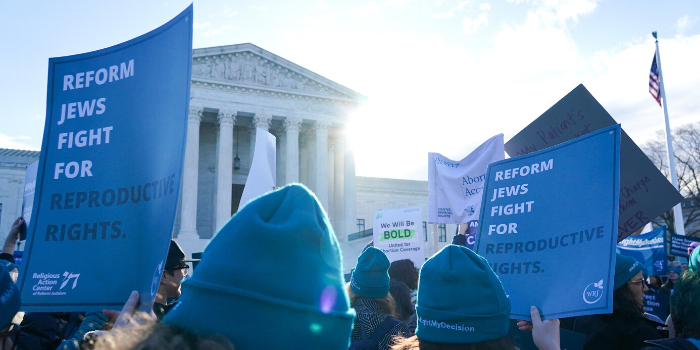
(454, 187)
(399, 234)
(262, 177)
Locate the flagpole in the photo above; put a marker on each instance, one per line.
(677, 210)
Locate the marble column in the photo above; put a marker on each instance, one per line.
(292, 126)
(261, 121)
(321, 129)
(224, 168)
(350, 195)
(339, 177)
(190, 176)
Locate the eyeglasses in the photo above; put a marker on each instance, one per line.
(640, 281)
(184, 269)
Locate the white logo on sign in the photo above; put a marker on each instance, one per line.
(593, 292)
(156, 278)
(67, 276)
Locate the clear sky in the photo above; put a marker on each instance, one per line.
(441, 76)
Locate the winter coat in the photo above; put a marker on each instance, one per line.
(669, 344)
(370, 317)
(46, 330)
(611, 331)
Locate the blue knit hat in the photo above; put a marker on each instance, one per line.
(694, 260)
(625, 268)
(677, 269)
(9, 297)
(443, 312)
(370, 278)
(271, 279)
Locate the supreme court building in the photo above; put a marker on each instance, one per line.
(234, 90)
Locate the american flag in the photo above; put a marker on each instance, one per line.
(654, 89)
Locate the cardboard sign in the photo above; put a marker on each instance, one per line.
(656, 304)
(568, 340)
(109, 173)
(552, 216)
(399, 234)
(454, 187)
(28, 197)
(645, 193)
(679, 245)
(649, 249)
(263, 174)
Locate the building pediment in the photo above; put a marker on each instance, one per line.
(248, 66)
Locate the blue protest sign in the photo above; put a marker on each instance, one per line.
(28, 197)
(656, 303)
(549, 225)
(109, 172)
(522, 340)
(649, 249)
(680, 244)
(472, 229)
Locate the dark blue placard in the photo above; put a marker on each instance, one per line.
(109, 172)
(471, 233)
(656, 303)
(649, 249)
(679, 244)
(550, 232)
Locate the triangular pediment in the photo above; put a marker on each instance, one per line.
(247, 65)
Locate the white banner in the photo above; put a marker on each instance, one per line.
(454, 187)
(399, 234)
(262, 177)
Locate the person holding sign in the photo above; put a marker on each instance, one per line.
(368, 289)
(685, 313)
(462, 304)
(626, 328)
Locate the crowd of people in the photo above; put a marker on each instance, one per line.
(272, 279)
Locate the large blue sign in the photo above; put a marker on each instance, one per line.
(109, 172)
(649, 249)
(548, 226)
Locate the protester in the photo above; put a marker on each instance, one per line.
(375, 325)
(674, 273)
(685, 313)
(405, 310)
(654, 283)
(170, 283)
(405, 271)
(8, 249)
(451, 319)
(270, 279)
(9, 306)
(626, 328)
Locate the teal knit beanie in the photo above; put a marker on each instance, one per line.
(270, 279)
(460, 299)
(625, 268)
(370, 278)
(9, 297)
(694, 260)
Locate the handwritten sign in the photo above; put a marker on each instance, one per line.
(108, 183)
(548, 214)
(645, 193)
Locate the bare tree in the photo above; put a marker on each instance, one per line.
(686, 143)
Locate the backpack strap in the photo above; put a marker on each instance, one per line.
(383, 329)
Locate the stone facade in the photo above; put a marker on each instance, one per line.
(12, 169)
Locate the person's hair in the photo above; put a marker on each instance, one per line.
(402, 297)
(685, 306)
(404, 271)
(414, 343)
(657, 282)
(387, 305)
(155, 336)
(624, 304)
